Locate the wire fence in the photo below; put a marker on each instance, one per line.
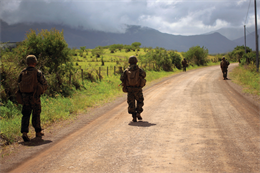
(99, 72)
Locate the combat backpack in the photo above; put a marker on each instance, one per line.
(29, 82)
(225, 64)
(133, 78)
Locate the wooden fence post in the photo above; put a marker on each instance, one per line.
(120, 70)
(107, 70)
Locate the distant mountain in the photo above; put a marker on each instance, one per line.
(250, 40)
(233, 33)
(214, 42)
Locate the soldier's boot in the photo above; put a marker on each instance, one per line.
(134, 117)
(25, 137)
(138, 115)
(39, 134)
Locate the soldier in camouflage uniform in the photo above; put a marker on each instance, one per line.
(224, 66)
(32, 102)
(184, 64)
(134, 93)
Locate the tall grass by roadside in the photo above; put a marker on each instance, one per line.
(248, 78)
(62, 108)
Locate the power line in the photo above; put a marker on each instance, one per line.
(247, 11)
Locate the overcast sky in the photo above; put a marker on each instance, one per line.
(179, 17)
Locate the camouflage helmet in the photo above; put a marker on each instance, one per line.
(132, 60)
(31, 59)
(223, 58)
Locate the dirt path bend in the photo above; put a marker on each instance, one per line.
(192, 122)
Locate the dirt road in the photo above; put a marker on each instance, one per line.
(192, 122)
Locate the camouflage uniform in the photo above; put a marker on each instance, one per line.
(184, 64)
(32, 103)
(224, 66)
(134, 93)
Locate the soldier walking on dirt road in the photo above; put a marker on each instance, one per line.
(224, 66)
(184, 64)
(133, 81)
(32, 84)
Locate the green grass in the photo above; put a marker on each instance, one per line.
(58, 108)
(61, 108)
(248, 78)
(107, 56)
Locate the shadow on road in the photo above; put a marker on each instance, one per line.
(228, 79)
(35, 142)
(141, 124)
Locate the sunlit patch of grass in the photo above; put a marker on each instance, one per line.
(248, 78)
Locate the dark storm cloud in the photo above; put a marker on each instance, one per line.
(176, 17)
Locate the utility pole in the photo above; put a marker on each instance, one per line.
(245, 42)
(256, 40)
(245, 36)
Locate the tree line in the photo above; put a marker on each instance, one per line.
(56, 62)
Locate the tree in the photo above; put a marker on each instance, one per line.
(83, 48)
(112, 48)
(239, 52)
(54, 58)
(176, 59)
(136, 45)
(73, 51)
(160, 57)
(81, 52)
(197, 55)
(98, 51)
(127, 48)
(49, 47)
(120, 47)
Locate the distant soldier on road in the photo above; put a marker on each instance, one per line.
(184, 64)
(32, 84)
(224, 66)
(133, 80)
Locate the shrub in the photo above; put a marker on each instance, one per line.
(10, 110)
(197, 55)
(49, 47)
(160, 57)
(176, 59)
(9, 72)
(53, 54)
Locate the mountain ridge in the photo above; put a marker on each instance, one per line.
(148, 37)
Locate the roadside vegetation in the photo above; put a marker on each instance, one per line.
(81, 78)
(246, 74)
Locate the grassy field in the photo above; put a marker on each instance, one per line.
(248, 78)
(60, 108)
